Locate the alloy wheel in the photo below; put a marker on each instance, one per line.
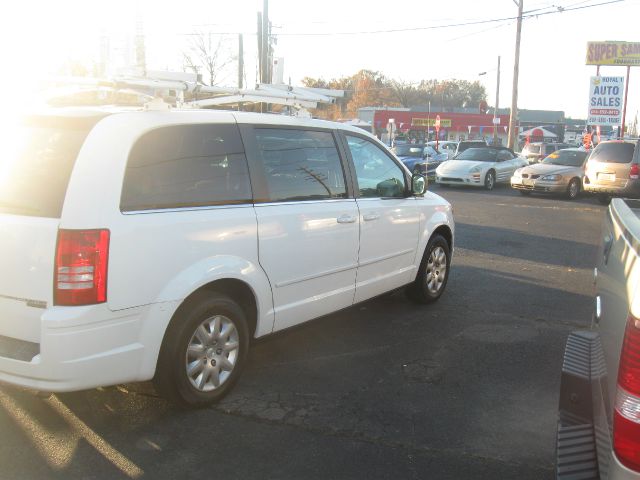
(212, 353)
(436, 269)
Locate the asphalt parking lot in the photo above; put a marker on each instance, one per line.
(466, 388)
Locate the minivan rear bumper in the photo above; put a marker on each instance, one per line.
(79, 348)
(630, 189)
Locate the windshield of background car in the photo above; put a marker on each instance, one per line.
(618, 152)
(36, 164)
(531, 149)
(408, 150)
(568, 158)
(466, 145)
(429, 150)
(478, 155)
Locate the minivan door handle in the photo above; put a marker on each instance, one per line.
(346, 219)
(371, 216)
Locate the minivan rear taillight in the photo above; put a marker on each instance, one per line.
(634, 173)
(626, 420)
(80, 276)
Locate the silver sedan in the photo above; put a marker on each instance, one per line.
(560, 172)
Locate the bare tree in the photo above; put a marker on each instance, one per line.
(210, 57)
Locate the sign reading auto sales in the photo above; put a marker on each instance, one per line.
(605, 100)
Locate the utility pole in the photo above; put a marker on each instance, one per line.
(265, 42)
(240, 60)
(260, 47)
(495, 111)
(514, 94)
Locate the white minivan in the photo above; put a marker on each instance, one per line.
(138, 245)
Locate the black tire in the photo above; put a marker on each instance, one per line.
(604, 199)
(420, 291)
(490, 180)
(573, 190)
(524, 192)
(171, 379)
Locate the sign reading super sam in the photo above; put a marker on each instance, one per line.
(613, 53)
(605, 100)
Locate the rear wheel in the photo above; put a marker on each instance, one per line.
(604, 199)
(433, 273)
(203, 351)
(490, 180)
(573, 189)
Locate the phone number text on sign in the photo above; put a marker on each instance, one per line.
(605, 100)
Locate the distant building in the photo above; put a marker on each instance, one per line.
(460, 123)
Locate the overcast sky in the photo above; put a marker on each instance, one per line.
(38, 37)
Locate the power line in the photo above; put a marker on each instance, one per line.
(435, 27)
(529, 14)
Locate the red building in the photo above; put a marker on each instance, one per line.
(453, 126)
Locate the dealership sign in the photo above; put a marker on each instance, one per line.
(605, 100)
(613, 53)
(431, 122)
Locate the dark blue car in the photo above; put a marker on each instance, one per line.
(419, 159)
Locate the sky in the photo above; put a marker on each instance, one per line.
(332, 38)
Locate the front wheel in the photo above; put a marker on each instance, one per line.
(573, 189)
(203, 351)
(490, 180)
(433, 273)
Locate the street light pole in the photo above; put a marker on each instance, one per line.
(495, 111)
(516, 68)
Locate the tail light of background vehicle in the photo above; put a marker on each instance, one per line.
(80, 275)
(626, 420)
(634, 173)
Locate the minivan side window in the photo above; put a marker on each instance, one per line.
(300, 164)
(182, 166)
(377, 174)
(36, 163)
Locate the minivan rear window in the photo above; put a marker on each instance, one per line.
(37, 161)
(183, 166)
(618, 152)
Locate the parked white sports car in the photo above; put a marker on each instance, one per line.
(480, 167)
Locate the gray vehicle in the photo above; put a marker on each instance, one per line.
(599, 414)
(560, 172)
(613, 170)
(535, 152)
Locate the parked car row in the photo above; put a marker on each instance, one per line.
(611, 169)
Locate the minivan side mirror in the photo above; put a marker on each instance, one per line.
(418, 184)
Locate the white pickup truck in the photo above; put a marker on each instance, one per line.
(599, 413)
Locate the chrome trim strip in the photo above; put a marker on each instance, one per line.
(183, 209)
(30, 302)
(305, 202)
